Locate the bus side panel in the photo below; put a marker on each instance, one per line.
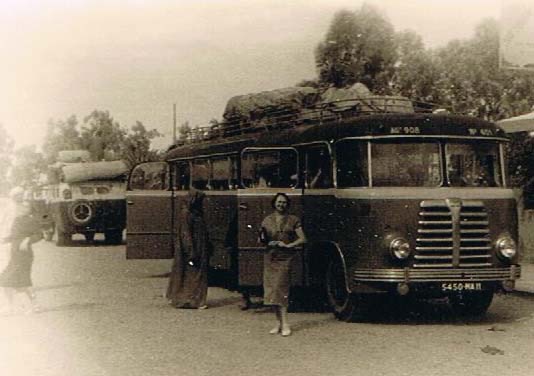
(149, 225)
(220, 217)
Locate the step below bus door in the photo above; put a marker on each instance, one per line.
(149, 213)
(253, 206)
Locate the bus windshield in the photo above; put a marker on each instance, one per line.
(405, 164)
(473, 164)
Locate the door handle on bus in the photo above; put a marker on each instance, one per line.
(243, 206)
(129, 202)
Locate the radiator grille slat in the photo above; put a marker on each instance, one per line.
(435, 243)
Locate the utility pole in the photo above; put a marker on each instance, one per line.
(174, 124)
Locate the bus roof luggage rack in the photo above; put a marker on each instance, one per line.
(274, 118)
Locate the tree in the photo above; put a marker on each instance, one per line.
(61, 135)
(358, 47)
(136, 145)
(102, 136)
(184, 131)
(415, 72)
(6, 149)
(28, 165)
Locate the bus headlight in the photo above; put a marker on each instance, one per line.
(506, 247)
(67, 194)
(400, 248)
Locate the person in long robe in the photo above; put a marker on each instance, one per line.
(188, 281)
(282, 233)
(22, 231)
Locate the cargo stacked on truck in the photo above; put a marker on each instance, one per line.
(87, 197)
(394, 199)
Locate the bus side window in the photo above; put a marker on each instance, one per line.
(352, 164)
(318, 170)
(182, 176)
(269, 169)
(201, 174)
(220, 176)
(150, 176)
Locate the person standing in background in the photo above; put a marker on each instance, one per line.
(20, 231)
(188, 282)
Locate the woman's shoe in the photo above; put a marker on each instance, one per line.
(275, 330)
(203, 307)
(286, 332)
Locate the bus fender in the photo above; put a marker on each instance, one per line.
(320, 254)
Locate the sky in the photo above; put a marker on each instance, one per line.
(136, 58)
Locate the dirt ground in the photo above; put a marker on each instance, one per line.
(104, 315)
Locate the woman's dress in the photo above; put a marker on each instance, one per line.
(17, 273)
(277, 261)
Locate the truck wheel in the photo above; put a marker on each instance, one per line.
(48, 234)
(345, 306)
(471, 303)
(113, 237)
(63, 238)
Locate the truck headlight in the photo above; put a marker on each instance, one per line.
(400, 248)
(506, 247)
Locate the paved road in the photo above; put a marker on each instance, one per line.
(103, 315)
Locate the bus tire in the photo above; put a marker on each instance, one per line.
(471, 304)
(89, 237)
(63, 238)
(113, 237)
(48, 234)
(345, 305)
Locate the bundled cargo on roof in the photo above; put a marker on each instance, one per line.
(105, 170)
(359, 99)
(280, 103)
(307, 104)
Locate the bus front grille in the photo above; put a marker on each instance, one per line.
(452, 233)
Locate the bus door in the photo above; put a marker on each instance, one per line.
(264, 172)
(217, 177)
(149, 213)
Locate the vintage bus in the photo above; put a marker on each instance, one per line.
(392, 203)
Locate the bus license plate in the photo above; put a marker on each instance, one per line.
(461, 286)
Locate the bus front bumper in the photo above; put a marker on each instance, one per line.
(405, 279)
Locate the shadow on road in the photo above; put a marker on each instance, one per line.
(69, 307)
(57, 287)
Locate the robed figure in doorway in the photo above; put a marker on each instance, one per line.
(188, 282)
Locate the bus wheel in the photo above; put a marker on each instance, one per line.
(48, 234)
(471, 304)
(89, 237)
(113, 237)
(62, 238)
(346, 306)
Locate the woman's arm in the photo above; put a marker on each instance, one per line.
(301, 239)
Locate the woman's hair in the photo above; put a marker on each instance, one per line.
(273, 200)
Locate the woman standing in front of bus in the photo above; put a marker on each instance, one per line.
(282, 233)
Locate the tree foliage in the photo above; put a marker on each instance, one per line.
(136, 145)
(358, 47)
(102, 136)
(61, 135)
(28, 165)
